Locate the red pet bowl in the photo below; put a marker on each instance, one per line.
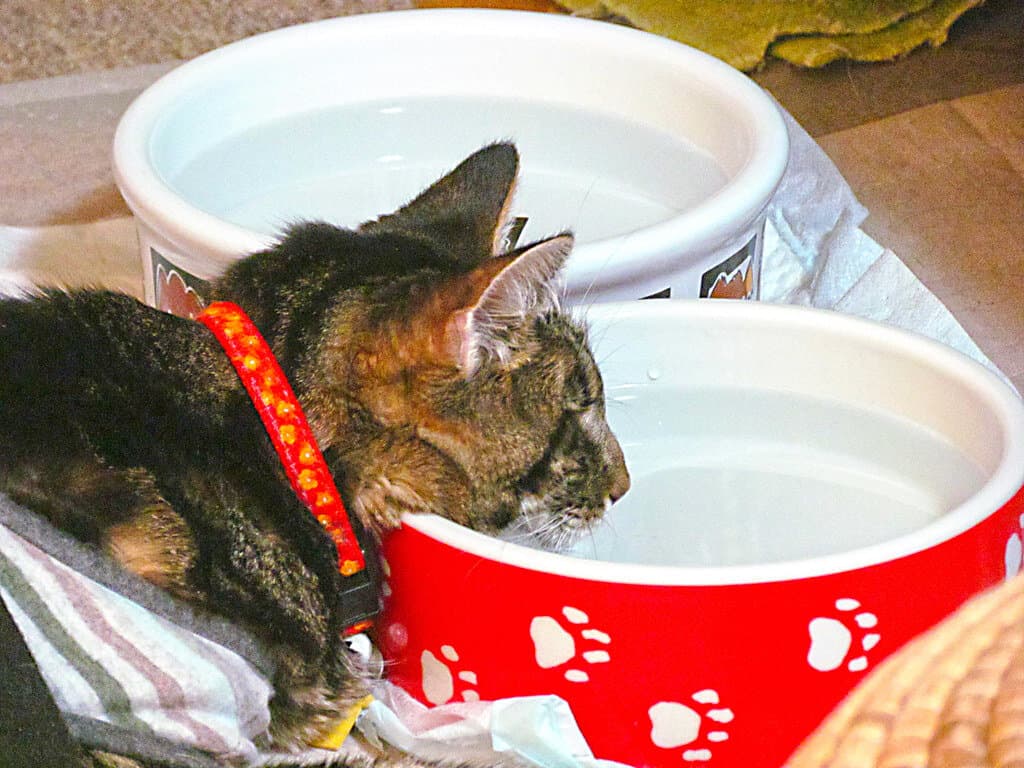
(810, 491)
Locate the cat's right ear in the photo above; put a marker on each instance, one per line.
(509, 292)
(463, 214)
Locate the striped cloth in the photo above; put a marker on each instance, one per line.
(121, 673)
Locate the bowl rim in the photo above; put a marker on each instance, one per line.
(1003, 484)
(187, 226)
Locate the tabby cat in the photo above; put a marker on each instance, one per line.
(438, 375)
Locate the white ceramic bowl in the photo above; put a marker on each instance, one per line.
(661, 158)
(810, 491)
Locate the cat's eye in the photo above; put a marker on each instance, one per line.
(581, 403)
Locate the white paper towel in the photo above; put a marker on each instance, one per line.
(530, 730)
(815, 254)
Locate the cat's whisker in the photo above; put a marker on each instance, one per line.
(623, 244)
(586, 196)
(610, 353)
(609, 523)
(548, 528)
(520, 534)
(562, 532)
(555, 534)
(590, 538)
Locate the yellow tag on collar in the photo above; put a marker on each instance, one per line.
(334, 738)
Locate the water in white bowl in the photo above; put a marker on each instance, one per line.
(598, 174)
(736, 477)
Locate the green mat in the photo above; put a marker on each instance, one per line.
(806, 32)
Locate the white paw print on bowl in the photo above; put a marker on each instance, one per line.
(1013, 554)
(556, 644)
(696, 725)
(846, 637)
(440, 679)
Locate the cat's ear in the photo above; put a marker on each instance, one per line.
(462, 216)
(510, 291)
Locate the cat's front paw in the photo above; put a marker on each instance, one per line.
(381, 503)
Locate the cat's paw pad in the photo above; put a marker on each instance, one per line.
(575, 647)
(441, 683)
(843, 638)
(1013, 553)
(697, 725)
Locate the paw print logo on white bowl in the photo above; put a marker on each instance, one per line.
(846, 637)
(697, 725)
(1013, 554)
(440, 680)
(556, 644)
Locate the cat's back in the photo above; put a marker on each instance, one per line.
(65, 352)
(88, 333)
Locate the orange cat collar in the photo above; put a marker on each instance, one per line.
(286, 424)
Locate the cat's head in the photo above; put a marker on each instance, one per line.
(439, 372)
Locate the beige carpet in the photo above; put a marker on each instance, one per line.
(44, 38)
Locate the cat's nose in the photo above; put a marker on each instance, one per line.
(616, 464)
(619, 485)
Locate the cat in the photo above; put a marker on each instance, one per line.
(438, 374)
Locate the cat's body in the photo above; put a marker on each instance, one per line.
(437, 376)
